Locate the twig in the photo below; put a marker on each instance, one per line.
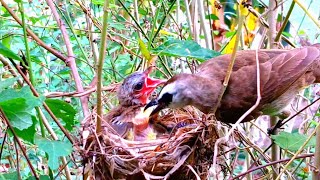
(186, 4)
(315, 174)
(286, 20)
(111, 88)
(194, 172)
(233, 56)
(299, 151)
(70, 61)
(2, 144)
(18, 162)
(14, 74)
(242, 14)
(270, 164)
(33, 35)
(180, 163)
(272, 18)
(20, 144)
(35, 93)
(234, 126)
(272, 22)
(203, 25)
(265, 24)
(308, 13)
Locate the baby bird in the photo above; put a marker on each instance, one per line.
(133, 95)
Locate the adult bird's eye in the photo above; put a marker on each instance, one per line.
(138, 86)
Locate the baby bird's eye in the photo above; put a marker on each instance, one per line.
(138, 86)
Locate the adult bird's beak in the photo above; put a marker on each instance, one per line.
(158, 107)
(149, 85)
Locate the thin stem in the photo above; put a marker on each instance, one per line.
(188, 17)
(299, 151)
(270, 164)
(102, 54)
(2, 144)
(18, 162)
(136, 13)
(33, 35)
(28, 60)
(70, 61)
(286, 20)
(233, 58)
(163, 20)
(68, 21)
(242, 13)
(272, 19)
(203, 24)
(145, 36)
(308, 13)
(33, 171)
(315, 173)
(35, 93)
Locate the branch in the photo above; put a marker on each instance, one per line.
(70, 61)
(270, 164)
(35, 93)
(20, 144)
(33, 35)
(100, 65)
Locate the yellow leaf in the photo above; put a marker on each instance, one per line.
(163, 32)
(229, 48)
(152, 60)
(144, 50)
(243, 10)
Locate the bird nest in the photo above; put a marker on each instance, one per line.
(185, 152)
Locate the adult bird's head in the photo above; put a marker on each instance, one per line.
(174, 94)
(137, 87)
(186, 89)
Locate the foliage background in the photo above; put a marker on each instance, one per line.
(64, 73)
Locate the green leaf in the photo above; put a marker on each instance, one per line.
(18, 105)
(142, 11)
(256, 3)
(144, 50)
(17, 112)
(6, 83)
(286, 34)
(9, 176)
(28, 134)
(42, 177)
(292, 141)
(6, 40)
(212, 17)
(24, 93)
(8, 53)
(63, 111)
(98, 2)
(188, 48)
(230, 34)
(54, 150)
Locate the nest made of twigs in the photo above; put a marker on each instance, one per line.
(185, 152)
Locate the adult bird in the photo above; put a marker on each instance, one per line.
(283, 73)
(133, 95)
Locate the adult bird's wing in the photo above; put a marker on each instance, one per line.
(277, 75)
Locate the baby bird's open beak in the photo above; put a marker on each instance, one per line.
(150, 85)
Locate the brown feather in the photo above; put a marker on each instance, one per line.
(283, 73)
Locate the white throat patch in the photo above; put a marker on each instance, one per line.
(169, 88)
